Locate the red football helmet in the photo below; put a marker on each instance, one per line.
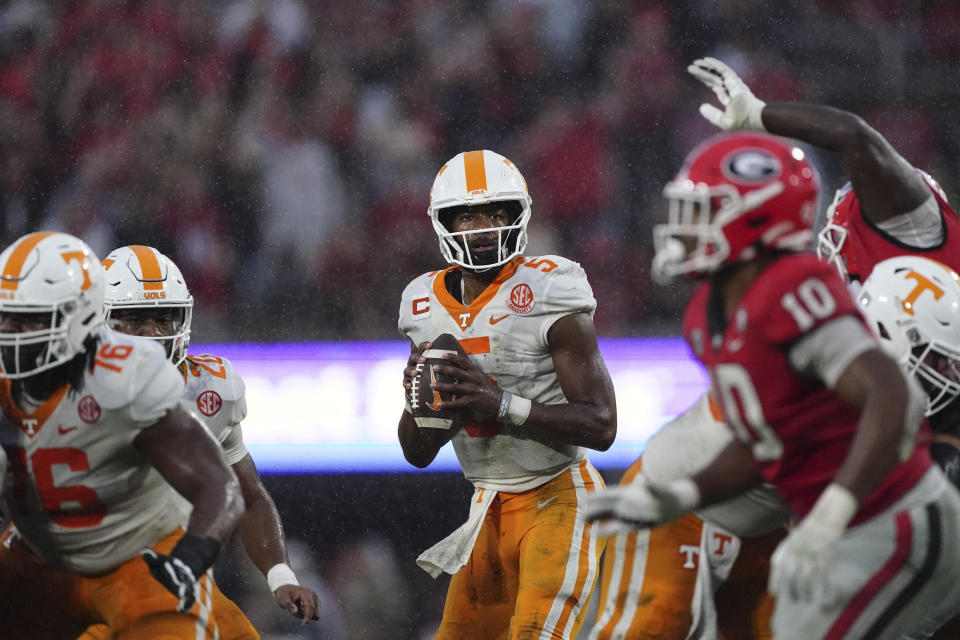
(735, 194)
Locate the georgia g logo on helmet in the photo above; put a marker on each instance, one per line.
(735, 195)
(751, 166)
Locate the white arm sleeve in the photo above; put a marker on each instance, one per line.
(231, 441)
(920, 228)
(827, 352)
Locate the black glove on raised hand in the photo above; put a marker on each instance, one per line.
(178, 571)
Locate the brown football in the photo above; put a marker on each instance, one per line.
(423, 399)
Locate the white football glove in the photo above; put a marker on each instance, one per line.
(640, 505)
(800, 567)
(741, 109)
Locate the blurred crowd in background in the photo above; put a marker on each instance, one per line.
(282, 151)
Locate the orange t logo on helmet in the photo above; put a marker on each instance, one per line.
(81, 259)
(923, 284)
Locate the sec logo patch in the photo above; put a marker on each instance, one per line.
(209, 402)
(521, 299)
(88, 409)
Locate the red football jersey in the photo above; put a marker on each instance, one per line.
(869, 245)
(799, 430)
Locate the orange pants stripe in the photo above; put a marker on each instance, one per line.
(533, 566)
(229, 619)
(42, 602)
(649, 579)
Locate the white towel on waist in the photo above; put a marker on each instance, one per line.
(719, 549)
(452, 552)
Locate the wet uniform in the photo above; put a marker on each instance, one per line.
(530, 560)
(897, 559)
(214, 393)
(84, 501)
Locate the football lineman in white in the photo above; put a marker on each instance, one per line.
(99, 448)
(912, 304)
(146, 296)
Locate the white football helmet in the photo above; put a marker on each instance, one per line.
(479, 177)
(913, 306)
(48, 273)
(139, 277)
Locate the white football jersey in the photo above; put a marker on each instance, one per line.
(504, 331)
(83, 496)
(689, 442)
(215, 393)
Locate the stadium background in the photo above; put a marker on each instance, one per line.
(281, 153)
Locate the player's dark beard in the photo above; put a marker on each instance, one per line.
(492, 255)
(481, 258)
(28, 357)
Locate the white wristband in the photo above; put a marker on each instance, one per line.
(755, 116)
(834, 509)
(281, 575)
(519, 410)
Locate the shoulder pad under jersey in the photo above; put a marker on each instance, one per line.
(216, 390)
(415, 301)
(796, 295)
(558, 285)
(123, 368)
(215, 373)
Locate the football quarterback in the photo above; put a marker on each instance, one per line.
(533, 393)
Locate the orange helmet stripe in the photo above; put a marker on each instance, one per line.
(475, 170)
(11, 270)
(106, 263)
(150, 271)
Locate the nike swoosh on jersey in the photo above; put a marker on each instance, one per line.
(494, 320)
(541, 505)
(63, 431)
